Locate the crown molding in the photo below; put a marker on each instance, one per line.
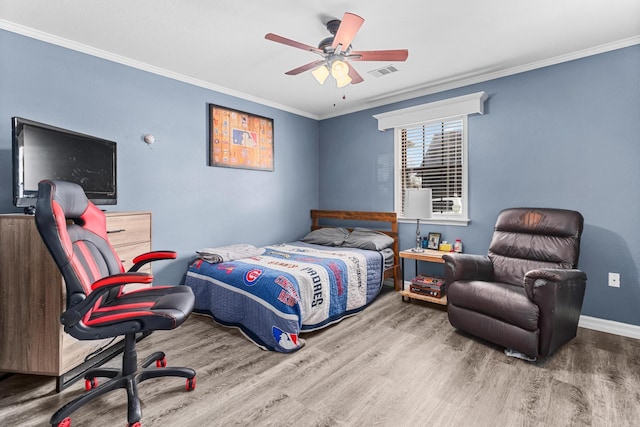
(461, 81)
(109, 56)
(410, 93)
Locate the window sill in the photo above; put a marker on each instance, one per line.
(460, 222)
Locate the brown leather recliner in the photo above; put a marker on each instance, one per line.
(526, 294)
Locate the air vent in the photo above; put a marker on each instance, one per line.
(383, 71)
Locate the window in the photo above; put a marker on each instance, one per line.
(432, 155)
(431, 152)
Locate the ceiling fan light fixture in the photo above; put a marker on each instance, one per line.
(343, 81)
(340, 72)
(337, 48)
(321, 73)
(339, 69)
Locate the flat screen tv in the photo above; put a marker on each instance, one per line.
(42, 152)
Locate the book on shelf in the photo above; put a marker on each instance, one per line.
(428, 285)
(435, 293)
(428, 282)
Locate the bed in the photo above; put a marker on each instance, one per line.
(275, 293)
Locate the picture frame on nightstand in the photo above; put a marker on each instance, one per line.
(433, 241)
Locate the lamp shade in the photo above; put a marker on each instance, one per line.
(417, 203)
(340, 72)
(321, 73)
(339, 69)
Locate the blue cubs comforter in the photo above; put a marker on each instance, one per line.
(289, 289)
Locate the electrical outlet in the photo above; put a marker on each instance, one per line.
(614, 280)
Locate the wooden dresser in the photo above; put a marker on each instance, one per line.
(32, 296)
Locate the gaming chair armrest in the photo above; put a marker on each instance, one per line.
(82, 304)
(148, 257)
(121, 279)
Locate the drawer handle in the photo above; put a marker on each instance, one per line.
(116, 231)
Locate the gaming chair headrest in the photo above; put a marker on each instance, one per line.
(68, 195)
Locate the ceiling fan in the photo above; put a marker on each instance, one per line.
(336, 52)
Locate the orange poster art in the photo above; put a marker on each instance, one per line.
(240, 140)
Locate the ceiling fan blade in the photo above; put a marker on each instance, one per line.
(355, 77)
(279, 39)
(305, 67)
(379, 55)
(349, 26)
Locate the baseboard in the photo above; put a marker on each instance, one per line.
(609, 326)
(602, 325)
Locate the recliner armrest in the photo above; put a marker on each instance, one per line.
(534, 280)
(559, 295)
(467, 267)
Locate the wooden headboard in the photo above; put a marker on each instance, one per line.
(391, 229)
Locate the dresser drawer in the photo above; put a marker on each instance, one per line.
(128, 252)
(124, 229)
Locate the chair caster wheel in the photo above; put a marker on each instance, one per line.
(136, 424)
(161, 363)
(90, 384)
(191, 384)
(64, 423)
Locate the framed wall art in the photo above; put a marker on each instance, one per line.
(240, 140)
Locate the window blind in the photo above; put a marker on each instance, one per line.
(432, 157)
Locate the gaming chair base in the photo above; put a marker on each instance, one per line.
(128, 378)
(71, 376)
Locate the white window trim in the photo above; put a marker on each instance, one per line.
(439, 110)
(458, 106)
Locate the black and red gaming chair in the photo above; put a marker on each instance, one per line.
(74, 231)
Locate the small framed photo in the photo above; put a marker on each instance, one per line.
(433, 241)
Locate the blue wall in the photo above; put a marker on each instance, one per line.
(193, 205)
(565, 136)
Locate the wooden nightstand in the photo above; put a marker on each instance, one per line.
(428, 255)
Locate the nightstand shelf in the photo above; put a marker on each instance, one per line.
(428, 255)
(413, 295)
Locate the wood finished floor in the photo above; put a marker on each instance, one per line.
(395, 364)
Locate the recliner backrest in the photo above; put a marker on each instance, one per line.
(525, 239)
(74, 230)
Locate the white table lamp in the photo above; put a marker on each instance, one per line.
(417, 204)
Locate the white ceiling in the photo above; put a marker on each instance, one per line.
(220, 44)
